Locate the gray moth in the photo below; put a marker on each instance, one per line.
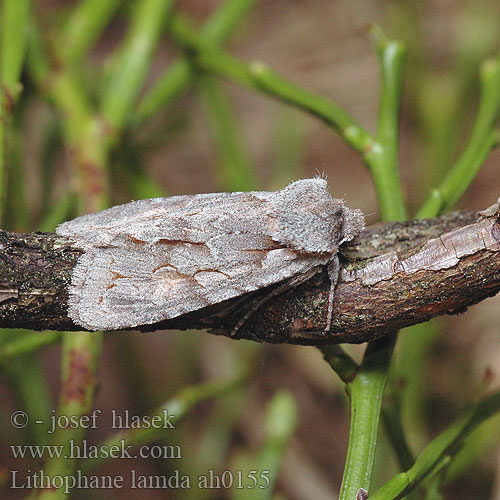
(152, 260)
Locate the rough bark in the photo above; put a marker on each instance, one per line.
(394, 275)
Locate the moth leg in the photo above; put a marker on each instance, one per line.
(290, 283)
(333, 274)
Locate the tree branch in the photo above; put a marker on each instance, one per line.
(394, 275)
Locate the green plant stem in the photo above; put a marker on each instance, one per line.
(289, 147)
(391, 414)
(14, 21)
(37, 58)
(264, 79)
(86, 22)
(130, 171)
(2, 155)
(433, 482)
(180, 73)
(21, 367)
(484, 137)
(60, 211)
(280, 424)
(33, 391)
(130, 66)
(17, 214)
(79, 364)
(225, 20)
(86, 137)
(258, 77)
(382, 158)
(85, 133)
(236, 172)
(474, 448)
(341, 363)
(165, 91)
(26, 344)
(433, 455)
(365, 392)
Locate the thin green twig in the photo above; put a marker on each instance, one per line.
(15, 14)
(166, 90)
(280, 423)
(266, 80)
(14, 22)
(341, 363)
(225, 20)
(84, 132)
(80, 360)
(87, 20)
(483, 139)
(32, 390)
(59, 211)
(220, 25)
(382, 158)
(391, 414)
(16, 207)
(130, 65)
(447, 443)
(236, 172)
(365, 394)
(258, 77)
(26, 344)
(20, 364)
(288, 147)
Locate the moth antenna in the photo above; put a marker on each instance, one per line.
(321, 175)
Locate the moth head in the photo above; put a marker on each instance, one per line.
(310, 220)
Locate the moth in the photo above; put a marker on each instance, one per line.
(152, 260)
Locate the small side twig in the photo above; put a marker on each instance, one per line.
(436, 453)
(484, 137)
